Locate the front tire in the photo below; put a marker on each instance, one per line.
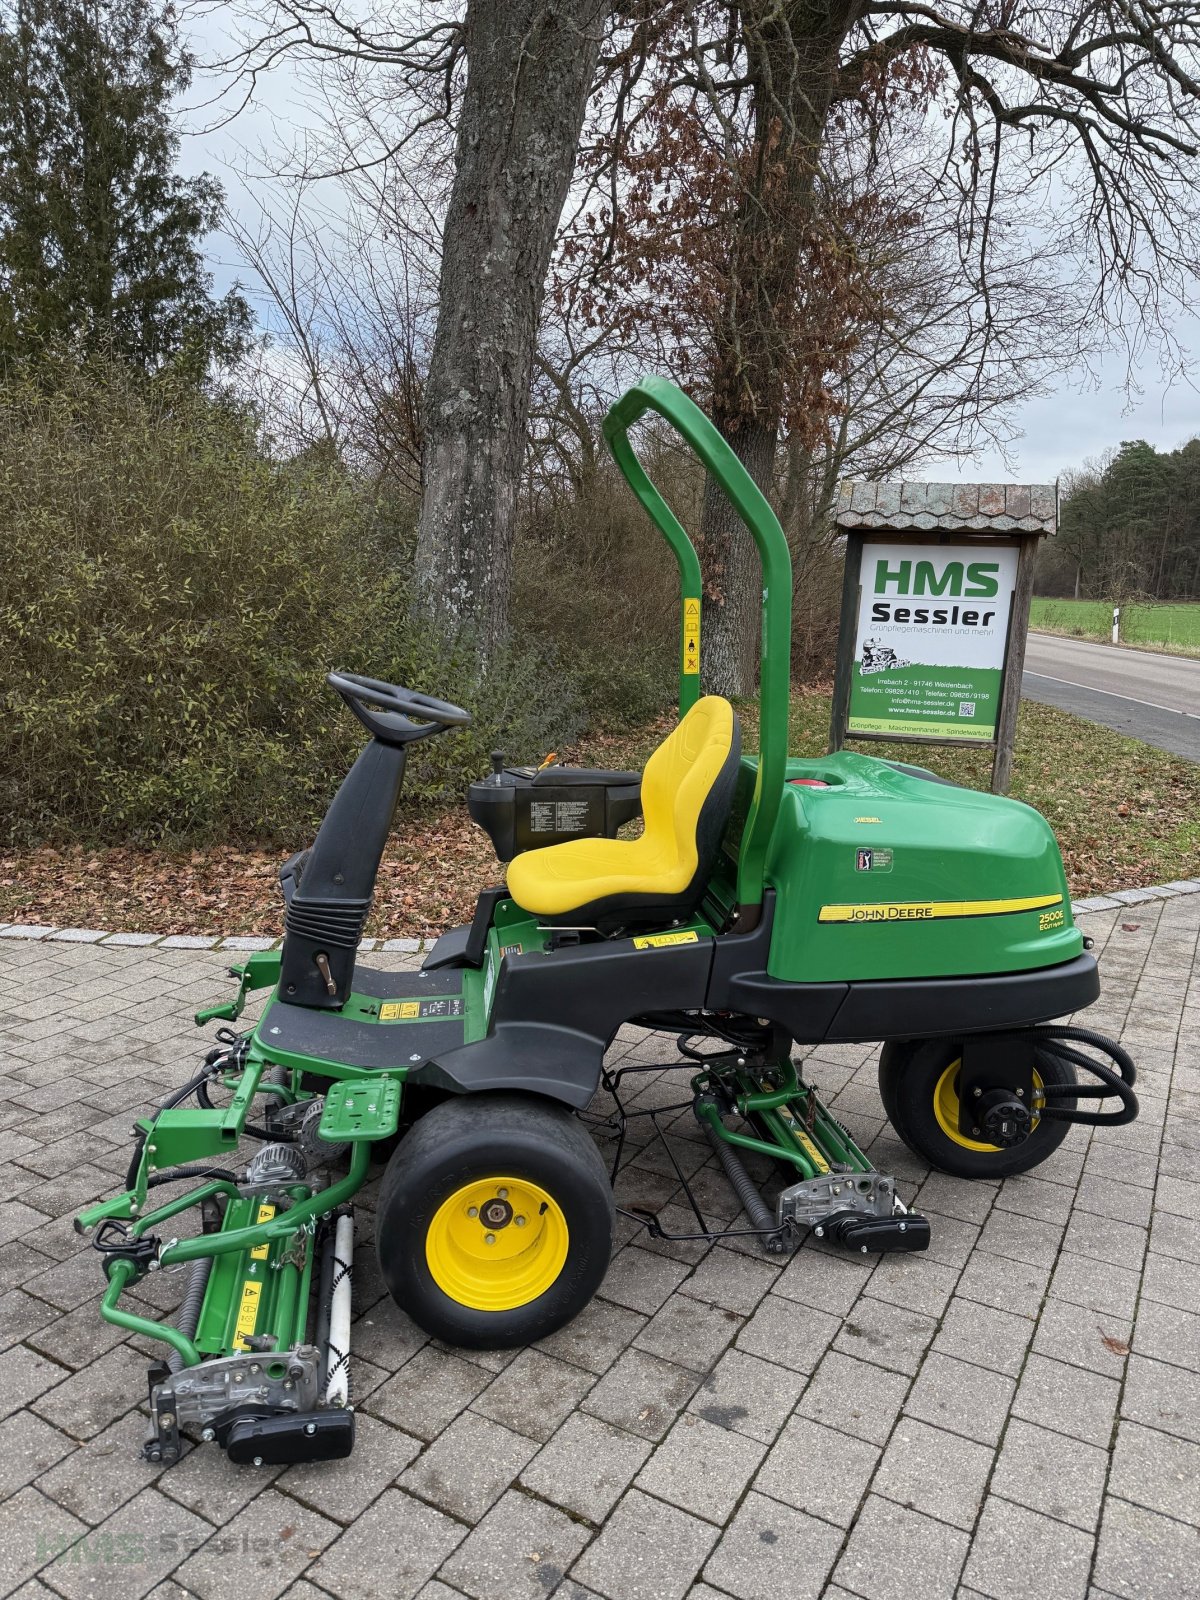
(495, 1222)
(918, 1084)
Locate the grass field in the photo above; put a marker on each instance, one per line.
(1174, 628)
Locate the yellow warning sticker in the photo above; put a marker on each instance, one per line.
(691, 636)
(399, 1010)
(931, 910)
(657, 941)
(247, 1313)
(262, 1251)
(806, 1144)
(802, 1138)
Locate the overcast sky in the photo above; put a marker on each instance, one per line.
(1087, 415)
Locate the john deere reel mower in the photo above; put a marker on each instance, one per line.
(739, 923)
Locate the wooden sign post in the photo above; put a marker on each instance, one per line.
(935, 610)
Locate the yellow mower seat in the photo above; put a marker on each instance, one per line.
(609, 884)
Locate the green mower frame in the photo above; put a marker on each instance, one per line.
(850, 899)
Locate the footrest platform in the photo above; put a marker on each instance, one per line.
(360, 1108)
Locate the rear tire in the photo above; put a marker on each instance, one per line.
(893, 1059)
(495, 1222)
(918, 1086)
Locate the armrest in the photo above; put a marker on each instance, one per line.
(597, 777)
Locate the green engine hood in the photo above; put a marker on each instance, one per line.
(890, 873)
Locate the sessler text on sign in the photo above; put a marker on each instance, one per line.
(931, 635)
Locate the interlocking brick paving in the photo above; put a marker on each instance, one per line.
(1015, 1413)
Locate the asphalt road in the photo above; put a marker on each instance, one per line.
(1151, 697)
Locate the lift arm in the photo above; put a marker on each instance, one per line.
(655, 394)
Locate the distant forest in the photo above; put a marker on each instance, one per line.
(1129, 528)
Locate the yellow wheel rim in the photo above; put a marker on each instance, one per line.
(945, 1108)
(497, 1243)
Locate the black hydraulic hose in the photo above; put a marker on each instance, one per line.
(1120, 1083)
(180, 1095)
(139, 1144)
(1099, 1041)
(188, 1319)
(755, 1207)
(178, 1174)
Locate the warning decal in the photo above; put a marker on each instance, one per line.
(691, 636)
(422, 1010)
(657, 941)
(247, 1313)
(262, 1251)
(558, 816)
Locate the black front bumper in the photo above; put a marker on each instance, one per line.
(917, 1008)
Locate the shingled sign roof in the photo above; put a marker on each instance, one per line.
(948, 507)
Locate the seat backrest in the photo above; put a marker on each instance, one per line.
(687, 786)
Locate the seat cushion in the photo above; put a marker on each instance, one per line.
(687, 789)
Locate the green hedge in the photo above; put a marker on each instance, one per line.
(170, 600)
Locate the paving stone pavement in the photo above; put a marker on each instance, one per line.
(1016, 1413)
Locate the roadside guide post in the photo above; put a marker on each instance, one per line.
(935, 610)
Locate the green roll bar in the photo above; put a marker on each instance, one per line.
(656, 394)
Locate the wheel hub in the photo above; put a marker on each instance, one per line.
(496, 1213)
(1023, 1119)
(1005, 1120)
(479, 1260)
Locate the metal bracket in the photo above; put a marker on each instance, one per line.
(991, 1062)
(870, 1194)
(196, 1396)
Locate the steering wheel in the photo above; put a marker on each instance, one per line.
(395, 715)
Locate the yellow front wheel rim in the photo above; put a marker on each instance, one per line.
(497, 1243)
(945, 1108)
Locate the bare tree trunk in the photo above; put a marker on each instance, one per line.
(732, 581)
(529, 69)
(792, 61)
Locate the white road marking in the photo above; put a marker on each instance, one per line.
(1073, 683)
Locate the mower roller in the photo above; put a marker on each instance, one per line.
(768, 902)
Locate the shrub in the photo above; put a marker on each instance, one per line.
(816, 610)
(595, 582)
(170, 601)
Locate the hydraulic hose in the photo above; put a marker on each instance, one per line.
(1120, 1083)
(178, 1174)
(178, 1096)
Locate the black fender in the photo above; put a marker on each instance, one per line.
(560, 1063)
(555, 1013)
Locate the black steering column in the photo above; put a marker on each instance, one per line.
(331, 894)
